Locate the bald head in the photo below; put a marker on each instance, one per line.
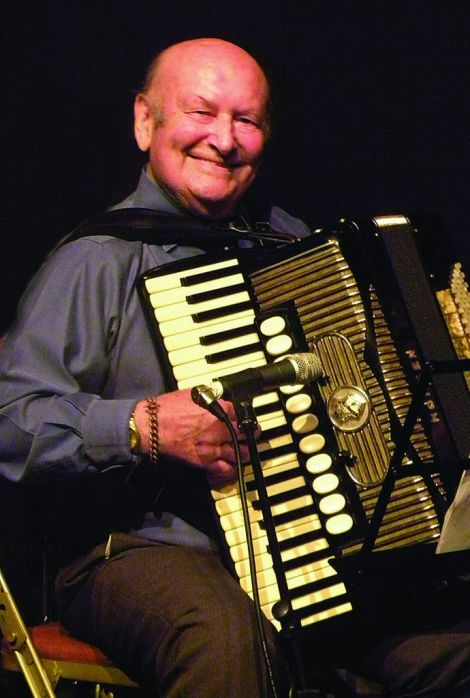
(203, 118)
(175, 56)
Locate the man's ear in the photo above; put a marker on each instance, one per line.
(143, 122)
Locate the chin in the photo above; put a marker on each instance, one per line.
(216, 204)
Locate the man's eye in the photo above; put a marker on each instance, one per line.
(246, 120)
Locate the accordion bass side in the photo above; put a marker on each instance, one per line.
(360, 298)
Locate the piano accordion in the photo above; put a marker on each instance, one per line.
(362, 300)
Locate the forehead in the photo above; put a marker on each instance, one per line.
(214, 74)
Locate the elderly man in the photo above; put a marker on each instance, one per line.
(84, 413)
(84, 404)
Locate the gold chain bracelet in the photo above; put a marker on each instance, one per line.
(152, 411)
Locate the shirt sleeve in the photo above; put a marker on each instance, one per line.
(54, 364)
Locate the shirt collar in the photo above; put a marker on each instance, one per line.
(149, 194)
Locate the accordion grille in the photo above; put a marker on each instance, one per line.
(334, 320)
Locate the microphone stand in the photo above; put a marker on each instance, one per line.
(282, 609)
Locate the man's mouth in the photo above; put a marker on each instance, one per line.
(216, 163)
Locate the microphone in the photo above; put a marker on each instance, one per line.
(204, 397)
(291, 370)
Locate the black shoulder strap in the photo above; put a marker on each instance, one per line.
(161, 228)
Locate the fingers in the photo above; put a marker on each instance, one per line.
(221, 472)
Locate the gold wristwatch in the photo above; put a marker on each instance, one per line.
(134, 436)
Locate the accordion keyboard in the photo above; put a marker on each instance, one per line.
(208, 328)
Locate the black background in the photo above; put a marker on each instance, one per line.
(372, 109)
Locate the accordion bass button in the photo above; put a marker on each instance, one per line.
(318, 463)
(341, 523)
(276, 346)
(305, 423)
(323, 484)
(299, 403)
(312, 443)
(332, 504)
(272, 326)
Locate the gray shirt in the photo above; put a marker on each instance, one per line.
(80, 356)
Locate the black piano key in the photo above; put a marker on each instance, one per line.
(274, 432)
(211, 275)
(303, 560)
(282, 497)
(282, 477)
(221, 292)
(216, 337)
(324, 605)
(223, 313)
(291, 516)
(227, 354)
(300, 540)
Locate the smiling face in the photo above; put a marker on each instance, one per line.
(203, 121)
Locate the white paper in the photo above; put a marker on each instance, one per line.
(455, 534)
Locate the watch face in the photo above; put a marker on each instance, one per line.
(349, 408)
(133, 434)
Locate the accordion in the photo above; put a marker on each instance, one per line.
(362, 299)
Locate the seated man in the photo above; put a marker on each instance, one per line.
(84, 408)
(84, 413)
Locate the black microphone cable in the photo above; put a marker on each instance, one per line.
(210, 403)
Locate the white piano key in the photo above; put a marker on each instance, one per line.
(290, 506)
(181, 310)
(263, 562)
(191, 338)
(271, 420)
(173, 280)
(321, 616)
(230, 505)
(304, 574)
(319, 596)
(311, 520)
(280, 464)
(233, 503)
(275, 442)
(312, 546)
(271, 466)
(201, 368)
(265, 399)
(234, 519)
(199, 351)
(237, 535)
(239, 552)
(285, 486)
(174, 327)
(180, 293)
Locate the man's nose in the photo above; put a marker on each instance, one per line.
(222, 135)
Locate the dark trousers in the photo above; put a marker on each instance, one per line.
(172, 618)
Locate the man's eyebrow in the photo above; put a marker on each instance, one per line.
(200, 99)
(252, 112)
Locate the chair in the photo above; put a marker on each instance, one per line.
(46, 654)
(42, 650)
